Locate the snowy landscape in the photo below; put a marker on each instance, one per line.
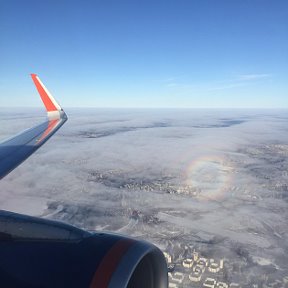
(208, 187)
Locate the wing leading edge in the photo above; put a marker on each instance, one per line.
(17, 149)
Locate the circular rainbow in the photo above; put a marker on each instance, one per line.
(209, 176)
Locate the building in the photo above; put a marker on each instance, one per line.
(209, 283)
(177, 277)
(168, 257)
(188, 263)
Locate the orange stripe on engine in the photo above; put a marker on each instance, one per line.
(109, 263)
(44, 96)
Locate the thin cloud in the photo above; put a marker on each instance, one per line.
(240, 81)
(172, 84)
(250, 77)
(228, 86)
(172, 81)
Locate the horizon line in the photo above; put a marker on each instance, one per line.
(144, 107)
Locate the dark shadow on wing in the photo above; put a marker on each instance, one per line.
(15, 150)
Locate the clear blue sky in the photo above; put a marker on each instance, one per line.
(180, 53)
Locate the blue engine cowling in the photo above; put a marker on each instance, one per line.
(36, 252)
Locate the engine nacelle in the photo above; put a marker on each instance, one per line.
(37, 252)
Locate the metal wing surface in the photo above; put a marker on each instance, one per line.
(18, 148)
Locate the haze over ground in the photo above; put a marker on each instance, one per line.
(210, 181)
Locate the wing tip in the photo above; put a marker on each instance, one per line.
(53, 108)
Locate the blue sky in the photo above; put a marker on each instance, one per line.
(180, 53)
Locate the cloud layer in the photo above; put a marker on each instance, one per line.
(211, 180)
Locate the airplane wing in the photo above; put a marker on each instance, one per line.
(15, 150)
(39, 252)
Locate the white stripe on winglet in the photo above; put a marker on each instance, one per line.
(50, 96)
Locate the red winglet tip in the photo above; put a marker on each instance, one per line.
(50, 106)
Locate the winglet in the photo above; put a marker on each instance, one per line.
(54, 111)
